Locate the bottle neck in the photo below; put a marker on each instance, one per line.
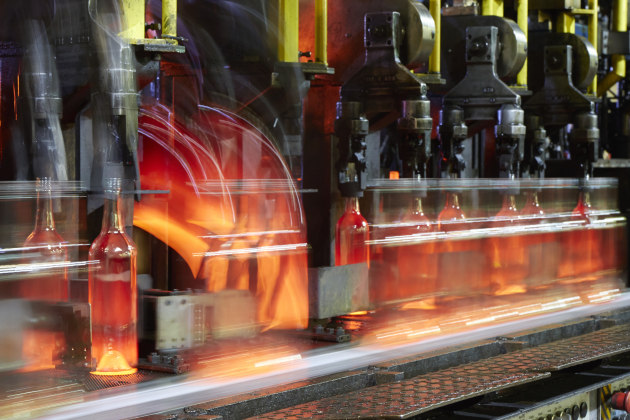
(532, 199)
(352, 204)
(452, 200)
(509, 202)
(416, 206)
(112, 220)
(44, 219)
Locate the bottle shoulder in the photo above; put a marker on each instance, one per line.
(113, 242)
(44, 237)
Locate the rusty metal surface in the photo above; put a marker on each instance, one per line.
(414, 396)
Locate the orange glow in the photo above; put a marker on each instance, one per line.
(228, 207)
(38, 349)
(394, 175)
(113, 363)
(358, 313)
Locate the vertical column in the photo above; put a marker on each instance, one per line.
(321, 31)
(288, 23)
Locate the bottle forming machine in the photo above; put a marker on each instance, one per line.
(222, 209)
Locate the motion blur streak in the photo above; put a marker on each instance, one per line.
(162, 396)
(230, 203)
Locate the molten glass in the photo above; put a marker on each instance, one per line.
(112, 289)
(45, 252)
(351, 235)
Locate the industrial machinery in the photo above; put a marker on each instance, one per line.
(175, 242)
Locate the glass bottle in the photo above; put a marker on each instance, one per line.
(112, 291)
(542, 247)
(458, 258)
(508, 257)
(351, 235)
(45, 246)
(46, 254)
(508, 214)
(450, 214)
(584, 242)
(532, 208)
(417, 261)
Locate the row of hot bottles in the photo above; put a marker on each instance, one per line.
(513, 252)
(112, 283)
(413, 260)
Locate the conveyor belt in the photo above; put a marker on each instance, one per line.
(414, 396)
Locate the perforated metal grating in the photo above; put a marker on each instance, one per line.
(96, 382)
(426, 392)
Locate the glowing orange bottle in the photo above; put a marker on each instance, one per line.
(45, 246)
(417, 263)
(459, 259)
(508, 256)
(586, 255)
(543, 248)
(351, 235)
(112, 288)
(451, 214)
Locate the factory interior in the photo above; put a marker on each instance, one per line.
(323, 209)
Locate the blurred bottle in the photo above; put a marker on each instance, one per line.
(508, 256)
(112, 289)
(451, 214)
(542, 247)
(508, 214)
(532, 211)
(45, 246)
(586, 256)
(460, 258)
(351, 235)
(417, 262)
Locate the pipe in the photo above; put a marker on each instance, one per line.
(436, 12)
(620, 24)
(521, 18)
(288, 35)
(321, 31)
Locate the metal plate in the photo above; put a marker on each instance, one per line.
(96, 382)
(426, 392)
(408, 398)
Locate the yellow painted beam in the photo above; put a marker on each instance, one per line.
(565, 23)
(521, 19)
(321, 31)
(436, 12)
(620, 24)
(593, 5)
(288, 35)
(169, 19)
(133, 20)
(492, 7)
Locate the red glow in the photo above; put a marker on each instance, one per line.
(351, 235)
